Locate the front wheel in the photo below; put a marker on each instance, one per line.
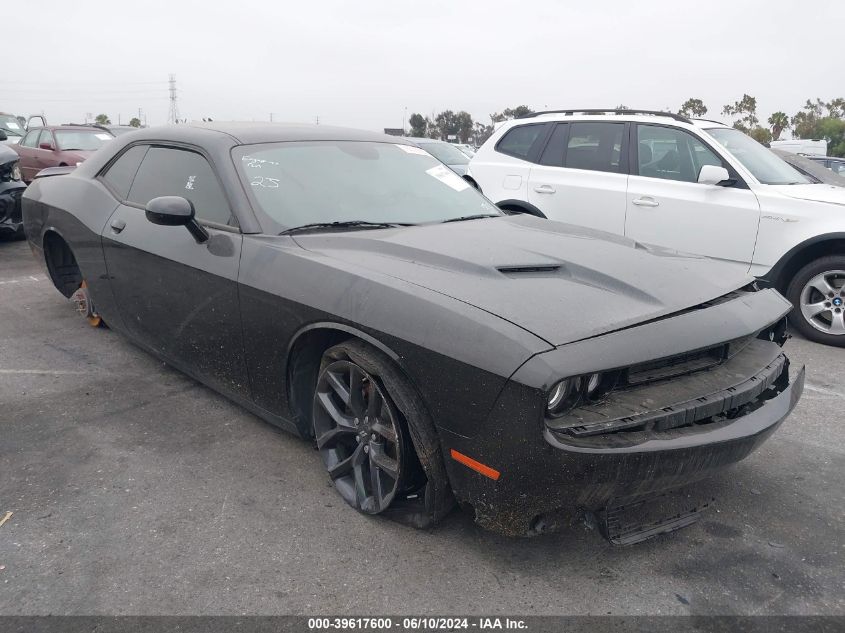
(818, 293)
(360, 433)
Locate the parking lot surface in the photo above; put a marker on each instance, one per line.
(136, 490)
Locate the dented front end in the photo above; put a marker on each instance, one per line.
(681, 399)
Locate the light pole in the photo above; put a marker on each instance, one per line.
(404, 117)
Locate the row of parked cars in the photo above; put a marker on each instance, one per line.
(28, 147)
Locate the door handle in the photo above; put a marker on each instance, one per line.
(645, 202)
(117, 225)
(544, 189)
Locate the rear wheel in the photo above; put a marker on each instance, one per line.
(85, 306)
(818, 293)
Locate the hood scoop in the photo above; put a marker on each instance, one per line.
(528, 269)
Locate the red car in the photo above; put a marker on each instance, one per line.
(57, 146)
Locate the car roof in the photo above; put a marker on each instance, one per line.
(246, 133)
(424, 139)
(70, 126)
(639, 116)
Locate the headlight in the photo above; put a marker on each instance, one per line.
(593, 382)
(570, 392)
(564, 395)
(16, 172)
(559, 394)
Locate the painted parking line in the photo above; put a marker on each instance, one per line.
(823, 391)
(29, 279)
(45, 372)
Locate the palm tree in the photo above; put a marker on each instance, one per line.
(779, 122)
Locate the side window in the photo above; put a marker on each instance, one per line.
(46, 137)
(122, 172)
(553, 154)
(31, 139)
(177, 172)
(518, 141)
(671, 154)
(595, 146)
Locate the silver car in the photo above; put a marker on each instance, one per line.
(445, 152)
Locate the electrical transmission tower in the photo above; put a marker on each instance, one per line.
(173, 115)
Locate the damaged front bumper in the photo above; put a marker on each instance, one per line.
(11, 221)
(564, 477)
(639, 443)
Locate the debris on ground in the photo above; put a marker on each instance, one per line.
(6, 518)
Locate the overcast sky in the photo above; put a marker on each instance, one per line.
(361, 63)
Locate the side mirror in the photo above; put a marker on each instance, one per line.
(713, 175)
(3, 136)
(45, 146)
(175, 211)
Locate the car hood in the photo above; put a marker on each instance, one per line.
(560, 282)
(815, 192)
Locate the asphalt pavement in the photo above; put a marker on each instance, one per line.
(135, 490)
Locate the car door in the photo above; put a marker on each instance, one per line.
(666, 205)
(582, 175)
(175, 295)
(503, 171)
(46, 151)
(26, 150)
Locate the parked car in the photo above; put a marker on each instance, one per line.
(469, 150)
(10, 128)
(812, 169)
(696, 186)
(348, 287)
(445, 152)
(11, 189)
(833, 163)
(58, 145)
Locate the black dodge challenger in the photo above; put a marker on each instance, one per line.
(348, 287)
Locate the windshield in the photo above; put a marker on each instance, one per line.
(763, 164)
(299, 183)
(446, 153)
(10, 125)
(84, 140)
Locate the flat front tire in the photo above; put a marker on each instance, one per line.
(361, 435)
(817, 292)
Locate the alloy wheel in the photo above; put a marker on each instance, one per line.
(823, 302)
(358, 436)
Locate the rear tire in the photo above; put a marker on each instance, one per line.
(817, 292)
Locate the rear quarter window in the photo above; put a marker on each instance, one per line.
(518, 141)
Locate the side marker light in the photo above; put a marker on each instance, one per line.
(477, 466)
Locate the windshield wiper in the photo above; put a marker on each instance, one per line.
(477, 216)
(363, 224)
